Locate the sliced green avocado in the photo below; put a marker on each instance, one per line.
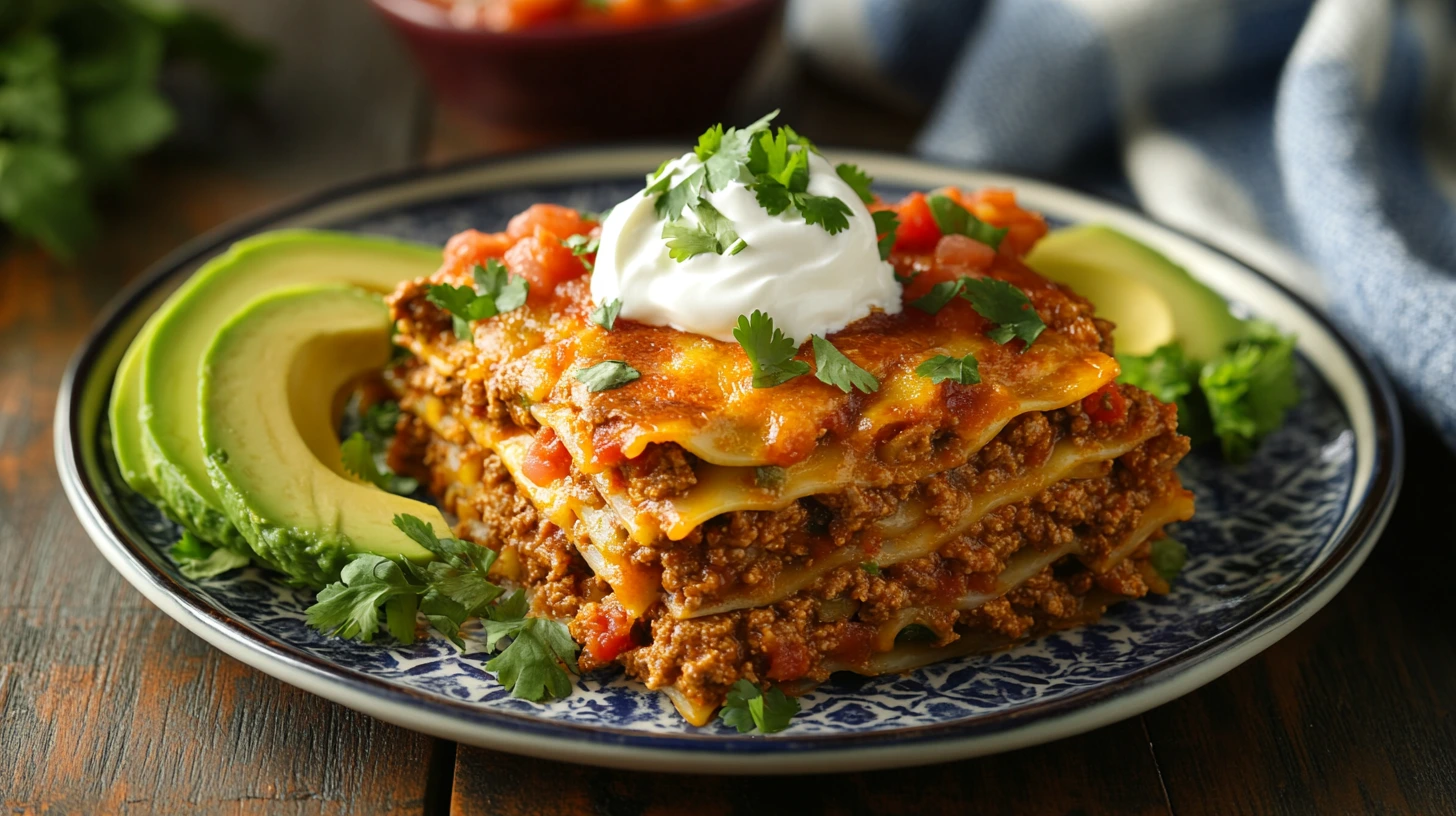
(154, 402)
(269, 383)
(1152, 300)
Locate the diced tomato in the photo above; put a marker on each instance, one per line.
(1106, 405)
(475, 247)
(562, 221)
(542, 260)
(547, 460)
(918, 231)
(608, 630)
(957, 256)
(787, 660)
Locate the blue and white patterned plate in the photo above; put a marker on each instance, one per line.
(1272, 541)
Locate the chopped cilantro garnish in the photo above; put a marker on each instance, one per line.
(605, 315)
(826, 211)
(196, 559)
(858, 180)
(359, 459)
(495, 291)
(770, 353)
(996, 300)
(1170, 376)
(581, 246)
(534, 664)
(1006, 306)
(748, 709)
(870, 567)
(1168, 557)
(832, 367)
(606, 375)
(953, 219)
(713, 234)
(460, 570)
(964, 370)
(1249, 388)
(350, 609)
(887, 223)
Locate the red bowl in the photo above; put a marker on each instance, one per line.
(674, 74)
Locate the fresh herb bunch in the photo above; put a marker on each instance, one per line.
(449, 590)
(1237, 398)
(79, 100)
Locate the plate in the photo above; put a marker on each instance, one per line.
(1273, 540)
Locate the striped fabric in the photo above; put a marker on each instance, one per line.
(1325, 127)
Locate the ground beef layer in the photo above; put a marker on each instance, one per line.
(840, 620)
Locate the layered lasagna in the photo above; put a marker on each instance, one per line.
(698, 531)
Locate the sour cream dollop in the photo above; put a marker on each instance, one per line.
(808, 281)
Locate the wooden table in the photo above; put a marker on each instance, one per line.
(108, 706)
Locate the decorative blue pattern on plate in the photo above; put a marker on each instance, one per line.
(1272, 540)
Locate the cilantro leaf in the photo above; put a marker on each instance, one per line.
(939, 295)
(713, 234)
(709, 142)
(724, 153)
(671, 203)
(359, 459)
(461, 569)
(748, 709)
(507, 292)
(773, 197)
(606, 375)
(659, 180)
(870, 567)
(858, 180)
(770, 353)
(964, 370)
(887, 223)
(605, 315)
(531, 667)
(826, 211)
(446, 615)
(495, 291)
(1170, 376)
(832, 367)
(196, 559)
(1168, 557)
(581, 246)
(1006, 306)
(1249, 388)
(953, 219)
(350, 608)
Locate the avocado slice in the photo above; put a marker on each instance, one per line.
(154, 401)
(267, 396)
(1152, 300)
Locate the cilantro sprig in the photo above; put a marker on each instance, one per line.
(448, 591)
(713, 233)
(781, 182)
(996, 300)
(749, 709)
(770, 353)
(494, 291)
(832, 367)
(940, 368)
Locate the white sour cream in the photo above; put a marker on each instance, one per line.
(808, 281)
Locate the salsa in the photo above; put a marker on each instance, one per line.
(521, 15)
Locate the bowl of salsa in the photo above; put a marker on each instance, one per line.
(585, 67)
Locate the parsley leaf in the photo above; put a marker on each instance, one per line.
(1006, 306)
(748, 709)
(581, 246)
(832, 367)
(461, 569)
(887, 223)
(196, 559)
(605, 315)
(713, 234)
(1168, 557)
(964, 370)
(953, 219)
(531, 666)
(358, 455)
(606, 375)
(1249, 388)
(770, 353)
(350, 608)
(858, 180)
(870, 567)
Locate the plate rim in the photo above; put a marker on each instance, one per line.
(709, 753)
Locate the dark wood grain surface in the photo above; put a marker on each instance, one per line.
(108, 706)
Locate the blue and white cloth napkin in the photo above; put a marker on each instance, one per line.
(1324, 126)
